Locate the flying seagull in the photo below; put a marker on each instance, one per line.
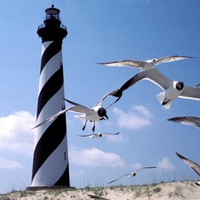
(98, 112)
(194, 166)
(98, 135)
(144, 65)
(187, 120)
(132, 174)
(172, 89)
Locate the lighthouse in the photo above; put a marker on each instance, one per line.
(50, 157)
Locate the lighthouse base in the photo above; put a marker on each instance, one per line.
(35, 188)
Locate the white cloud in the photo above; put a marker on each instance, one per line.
(15, 135)
(137, 117)
(9, 164)
(142, 111)
(118, 139)
(165, 164)
(137, 166)
(94, 158)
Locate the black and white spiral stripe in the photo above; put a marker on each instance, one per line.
(50, 159)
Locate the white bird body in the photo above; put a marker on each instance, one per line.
(90, 115)
(147, 64)
(172, 89)
(96, 135)
(165, 98)
(132, 175)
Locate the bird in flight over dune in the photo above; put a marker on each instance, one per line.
(98, 112)
(131, 175)
(147, 64)
(98, 135)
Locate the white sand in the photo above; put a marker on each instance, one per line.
(164, 191)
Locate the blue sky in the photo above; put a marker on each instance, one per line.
(101, 31)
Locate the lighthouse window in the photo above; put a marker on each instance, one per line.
(65, 156)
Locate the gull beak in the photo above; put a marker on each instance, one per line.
(106, 117)
(102, 118)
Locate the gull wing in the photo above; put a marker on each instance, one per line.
(190, 93)
(130, 63)
(86, 135)
(111, 93)
(110, 133)
(51, 118)
(152, 75)
(78, 107)
(118, 178)
(194, 166)
(145, 168)
(171, 59)
(187, 120)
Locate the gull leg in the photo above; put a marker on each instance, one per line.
(93, 128)
(84, 125)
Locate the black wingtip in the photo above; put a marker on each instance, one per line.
(68, 101)
(180, 156)
(172, 119)
(177, 154)
(192, 57)
(198, 85)
(197, 183)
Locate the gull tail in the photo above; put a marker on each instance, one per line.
(161, 98)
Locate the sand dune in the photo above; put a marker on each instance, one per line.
(163, 191)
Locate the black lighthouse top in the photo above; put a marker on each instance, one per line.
(52, 29)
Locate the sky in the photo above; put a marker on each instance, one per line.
(102, 31)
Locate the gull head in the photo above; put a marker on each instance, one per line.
(152, 60)
(102, 112)
(179, 85)
(132, 175)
